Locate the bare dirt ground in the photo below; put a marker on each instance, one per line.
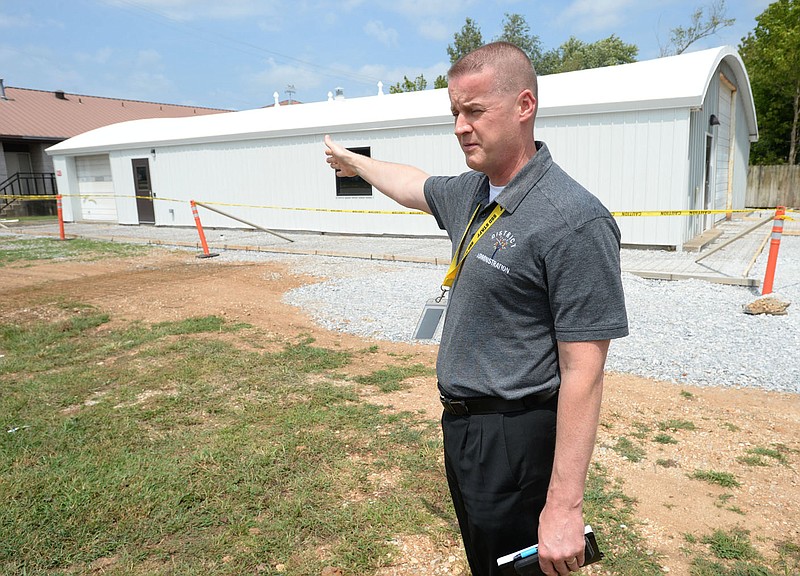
(728, 423)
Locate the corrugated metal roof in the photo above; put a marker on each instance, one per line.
(678, 81)
(674, 82)
(38, 114)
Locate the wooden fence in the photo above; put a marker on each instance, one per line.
(770, 186)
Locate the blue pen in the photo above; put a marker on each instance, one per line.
(530, 551)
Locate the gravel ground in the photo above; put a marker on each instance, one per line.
(689, 331)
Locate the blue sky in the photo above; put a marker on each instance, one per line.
(236, 53)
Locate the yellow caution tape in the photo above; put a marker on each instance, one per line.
(619, 214)
(408, 212)
(405, 212)
(678, 212)
(31, 197)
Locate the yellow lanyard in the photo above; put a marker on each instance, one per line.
(455, 263)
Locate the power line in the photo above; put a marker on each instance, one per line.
(250, 48)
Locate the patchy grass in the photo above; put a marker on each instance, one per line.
(15, 250)
(724, 479)
(168, 448)
(610, 513)
(154, 449)
(731, 553)
(664, 439)
(675, 425)
(391, 378)
(756, 456)
(629, 450)
(640, 430)
(732, 545)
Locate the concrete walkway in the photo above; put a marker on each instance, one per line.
(729, 265)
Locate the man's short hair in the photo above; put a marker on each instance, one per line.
(514, 71)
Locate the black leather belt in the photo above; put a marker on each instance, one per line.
(492, 405)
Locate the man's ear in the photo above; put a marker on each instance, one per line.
(526, 103)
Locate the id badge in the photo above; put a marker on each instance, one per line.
(431, 317)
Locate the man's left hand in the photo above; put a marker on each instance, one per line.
(561, 541)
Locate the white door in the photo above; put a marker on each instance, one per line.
(96, 188)
(723, 151)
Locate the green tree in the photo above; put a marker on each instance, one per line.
(574, 54)
(681, 38)
(771, 53)
(517, 31)
(465, 41)
(419, 83)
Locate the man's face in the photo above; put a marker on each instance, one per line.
(485, 124)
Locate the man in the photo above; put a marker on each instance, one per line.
(533, 306)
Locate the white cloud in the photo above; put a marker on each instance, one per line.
(386, 36)
(144, 85)
(99, 56)
(352, 4)
(589, 15)
(37, 66)
(392, 75)
(148, 59)
(16, 21)
(277, 76)
(200, 9)
(435, 30)
(419, 9)
(141, 75)
(270, 25)
(23, 21)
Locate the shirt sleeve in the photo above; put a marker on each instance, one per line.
(585, 285)
(435, 187)
(451, 199)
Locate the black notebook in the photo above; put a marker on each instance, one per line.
(525, 562)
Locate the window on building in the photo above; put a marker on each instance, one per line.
(355, 186)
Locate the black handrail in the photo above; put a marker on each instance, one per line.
(27, 184)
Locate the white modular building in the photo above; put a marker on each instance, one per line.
(671, 134)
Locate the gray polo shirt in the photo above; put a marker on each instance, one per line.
(547, 270)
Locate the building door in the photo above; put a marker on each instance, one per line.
(18, 163)
(722, 167)
(96, 188)
(144, 191)
(708, 190)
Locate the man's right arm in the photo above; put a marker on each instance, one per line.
(400, 182)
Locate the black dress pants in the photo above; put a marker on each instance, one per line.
(498, 470)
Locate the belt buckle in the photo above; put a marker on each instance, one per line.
(455, 407)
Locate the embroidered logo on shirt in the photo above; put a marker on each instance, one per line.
(501, 240)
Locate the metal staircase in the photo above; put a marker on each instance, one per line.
(21, 185)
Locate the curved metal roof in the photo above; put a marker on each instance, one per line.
(674, 82)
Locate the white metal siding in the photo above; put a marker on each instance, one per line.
(96, 188)
(640, 145)
(122, 171)
(741, 155)
(67, 182)
(285, 183)
(632, 161)
(695, 199)
(723, 151)
(740, 140)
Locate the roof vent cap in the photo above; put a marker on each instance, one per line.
(60, 95)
